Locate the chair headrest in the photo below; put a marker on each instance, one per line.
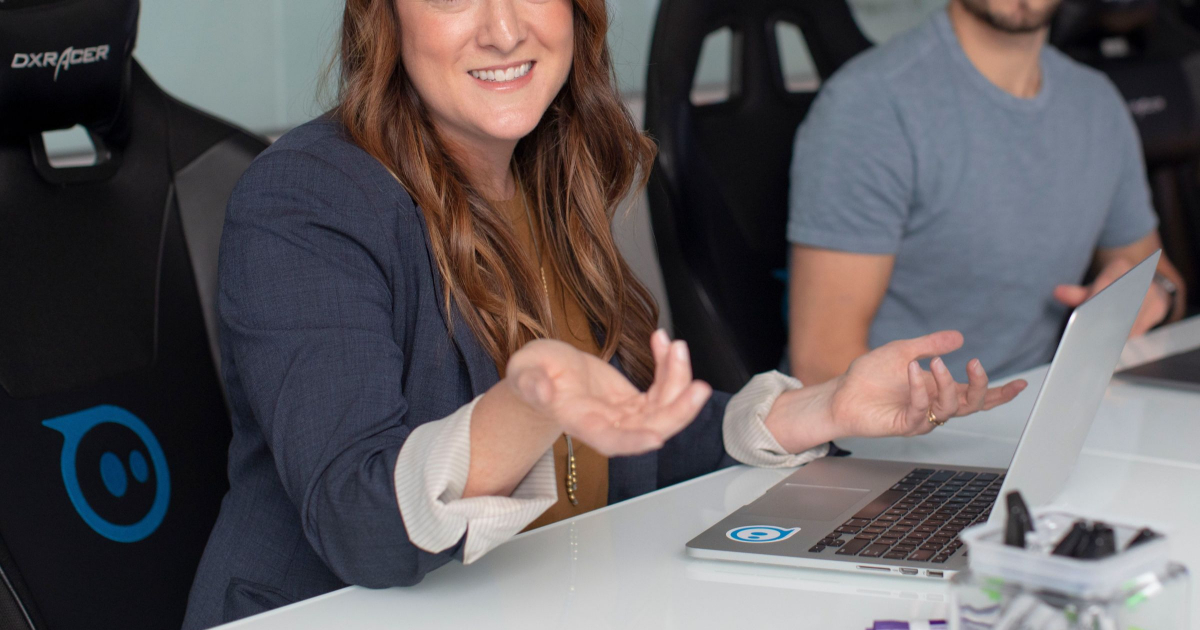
(1088, 21)
(64, 63)
(1124, 16)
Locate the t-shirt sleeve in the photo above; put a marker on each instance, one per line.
(1131, 215)
(852, 173)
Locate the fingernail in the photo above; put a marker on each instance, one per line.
(681, 350)
(700, 396)
(661, 334)
(937, 364)
(976, 365)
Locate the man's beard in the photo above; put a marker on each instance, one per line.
(1024, 24)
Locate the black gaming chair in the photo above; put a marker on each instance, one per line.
(113, 425)
(1153, 58)
(718, 191)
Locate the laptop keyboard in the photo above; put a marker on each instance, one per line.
(919, 518)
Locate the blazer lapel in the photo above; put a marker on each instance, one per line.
(628, 477)
(481, 370)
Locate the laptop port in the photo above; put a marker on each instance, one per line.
(871, 568)
(934, 574)
(908, 571)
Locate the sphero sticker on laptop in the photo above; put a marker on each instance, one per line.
(760, 533)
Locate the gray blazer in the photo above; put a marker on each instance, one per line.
(334, 347)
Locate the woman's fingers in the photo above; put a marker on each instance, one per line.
(977, 387)
(671, 418)
(918, 395)
(660, 345)
(945, 405)
(672, 368)
(999, 395)
(932, 345)
(677, 376)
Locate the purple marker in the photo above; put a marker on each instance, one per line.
(936, 624)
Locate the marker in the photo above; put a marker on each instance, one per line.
(1144, 535)
(935, 624)
(1019, 520)
(1103, 543)
(1070, 544)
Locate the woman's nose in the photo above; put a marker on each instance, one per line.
(502, 27)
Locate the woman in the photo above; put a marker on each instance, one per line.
(430, 340)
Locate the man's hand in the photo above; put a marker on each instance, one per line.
(1155, 307)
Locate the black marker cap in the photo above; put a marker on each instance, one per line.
(1144, 535)
(1104, 541)
(1071, 543)
(1019, 520)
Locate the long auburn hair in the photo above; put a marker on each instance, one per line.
(584, 157)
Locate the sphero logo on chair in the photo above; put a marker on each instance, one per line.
(760, 533)
(114, 471)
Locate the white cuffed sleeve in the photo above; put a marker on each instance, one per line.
(431, 473)
(746, 436)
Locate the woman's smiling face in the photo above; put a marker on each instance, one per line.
(486, 70)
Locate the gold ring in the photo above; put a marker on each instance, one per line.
(934, 420)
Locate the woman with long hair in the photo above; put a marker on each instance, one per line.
(430, 340)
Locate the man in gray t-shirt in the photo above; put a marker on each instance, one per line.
(963, 176)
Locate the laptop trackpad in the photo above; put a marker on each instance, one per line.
(809, 503)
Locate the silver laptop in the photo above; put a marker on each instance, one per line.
(1177, 371)
(898, 518)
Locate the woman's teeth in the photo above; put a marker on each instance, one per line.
(501, 76)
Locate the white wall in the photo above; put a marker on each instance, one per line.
(258, 63)
(254, 62)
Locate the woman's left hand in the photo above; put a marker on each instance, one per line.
(886, 393)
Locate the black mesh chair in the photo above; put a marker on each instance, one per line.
(718, 191)
(1153, 58)
(113, 425)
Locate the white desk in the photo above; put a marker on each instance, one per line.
(625, 567)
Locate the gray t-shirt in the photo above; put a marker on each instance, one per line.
(986, 200)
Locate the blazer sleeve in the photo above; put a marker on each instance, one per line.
(698, 449)
(306, 312)
(731, 430)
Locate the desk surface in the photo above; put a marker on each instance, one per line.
(624, 566)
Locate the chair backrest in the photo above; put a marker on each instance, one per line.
(1153, 58)
(113, 424)
(718, 191)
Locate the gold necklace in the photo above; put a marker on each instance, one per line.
(572, 478)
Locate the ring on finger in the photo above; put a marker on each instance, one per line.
(933, 419)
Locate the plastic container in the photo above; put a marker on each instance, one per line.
(1010, 588)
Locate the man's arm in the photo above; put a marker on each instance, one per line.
(1129, 234)
(1111, 263)
(833, 298)
(853, 176)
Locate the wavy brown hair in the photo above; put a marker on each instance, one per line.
(583, 158)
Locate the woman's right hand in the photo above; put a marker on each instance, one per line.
(592, 401)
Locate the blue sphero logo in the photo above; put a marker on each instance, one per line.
(114, 471)
(760, 534)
